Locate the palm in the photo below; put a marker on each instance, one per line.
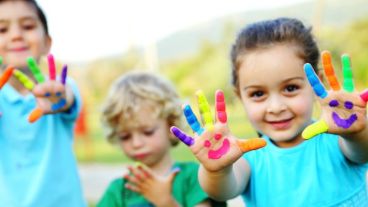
(343, 110)
(50, 94)
(214, 145)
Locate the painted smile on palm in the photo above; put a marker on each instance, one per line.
(218, 153)
(341, 122)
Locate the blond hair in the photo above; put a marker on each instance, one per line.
(135, 90)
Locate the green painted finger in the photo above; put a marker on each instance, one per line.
(35, 70)
(315, 129)
(24, 79)
(204, 109)
(1, 60)
(348, 73)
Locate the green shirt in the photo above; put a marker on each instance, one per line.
(186, 191)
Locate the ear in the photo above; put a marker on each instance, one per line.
(48, 43)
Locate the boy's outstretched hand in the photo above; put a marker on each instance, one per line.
(50, 94)
(343, 110)
(156, 189)
(213, 144)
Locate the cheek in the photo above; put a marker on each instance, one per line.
(303, 106)
(254, 111)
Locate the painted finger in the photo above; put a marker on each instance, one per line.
(132, 188)
(6, 76)
(52, 67)
(192, 120)
(364, 95)
(144, 170)
(315, 129)
(135, 174)
(64, 73)
(251, 144)
(329, 71)
(221, 107)
(35, 70)
(348, 83)
(23, 78)
(188, 140)
(58, 105)
(205, 111)
(314, 81)
(35, 115)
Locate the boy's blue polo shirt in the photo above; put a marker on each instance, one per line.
(37, 164)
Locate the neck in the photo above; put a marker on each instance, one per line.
(163, 167)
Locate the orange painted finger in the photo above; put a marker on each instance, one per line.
(6, 76)
(35, 115)
(251, 144)
(329, 71)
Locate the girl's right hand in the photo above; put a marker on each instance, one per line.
(214, 145)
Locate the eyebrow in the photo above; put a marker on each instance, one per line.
(284, 81)
(21, 19)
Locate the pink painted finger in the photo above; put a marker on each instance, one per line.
(52, 67)
(64, 73)
(221, 107)
(364, 95)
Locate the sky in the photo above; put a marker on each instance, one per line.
(83, 30)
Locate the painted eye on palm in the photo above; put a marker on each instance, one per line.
(39, 77)
(321, 126)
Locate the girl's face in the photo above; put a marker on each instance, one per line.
(21, 33)
(147, 139)
(275, 93)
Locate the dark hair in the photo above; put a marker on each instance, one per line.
(264, 34)
(40, 14)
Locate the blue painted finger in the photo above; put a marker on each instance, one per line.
(314, 81)
(192, 120)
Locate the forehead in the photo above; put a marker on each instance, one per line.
(271, 65)
(143, 117)
(16, 9)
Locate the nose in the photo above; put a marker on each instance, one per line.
(137, 141)
(15, 33)
(276, 104)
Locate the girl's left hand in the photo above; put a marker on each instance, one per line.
(156, 189)
(51, 95)
(343, 110)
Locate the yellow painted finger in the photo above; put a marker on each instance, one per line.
(315, 129)
(28, 83)
(205, 111)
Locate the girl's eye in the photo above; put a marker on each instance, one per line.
(291, 88)
(3, 29)
(256, 94)
(28, 26)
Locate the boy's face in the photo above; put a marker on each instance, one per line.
(21, 33)
(146, 139)
(275, 93)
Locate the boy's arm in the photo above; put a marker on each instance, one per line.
(227, 183)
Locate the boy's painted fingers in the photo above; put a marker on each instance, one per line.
(329, 71)
(52, 67)
(64, 73)
(32, 64)
(58, 105)
(188, 140)
(315, 129)
(348, 83)
(6, 76)
(27, 83)
(251, 144)
(35, 115)
(314, 81)
(221, 107)
(204, 109)
(192, 120)
(364, 95)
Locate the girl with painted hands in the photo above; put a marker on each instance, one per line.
(138, 112)
(302, 162)
(37, 166)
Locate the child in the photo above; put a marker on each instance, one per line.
(138, 112)
(328, 170)
(37, 165)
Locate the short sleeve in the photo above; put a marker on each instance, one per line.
(112, 196)
(73, 112)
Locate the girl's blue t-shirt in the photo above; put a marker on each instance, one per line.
(313, 173)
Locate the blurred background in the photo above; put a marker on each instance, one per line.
(186, 41)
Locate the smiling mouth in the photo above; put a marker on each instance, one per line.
(283, 124)
(344, 123)
(216, 154)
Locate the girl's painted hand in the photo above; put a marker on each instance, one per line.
(343, 110)
(213, 144)
(50, 94)
(156, 189)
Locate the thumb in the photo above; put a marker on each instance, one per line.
(173, 174)
(251, 144)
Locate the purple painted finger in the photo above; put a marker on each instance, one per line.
(64, 73)
(188, 140)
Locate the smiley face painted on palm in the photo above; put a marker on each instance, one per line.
(341, 122)
(219, 152)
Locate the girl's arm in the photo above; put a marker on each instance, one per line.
(355, 146)
(227, 183)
